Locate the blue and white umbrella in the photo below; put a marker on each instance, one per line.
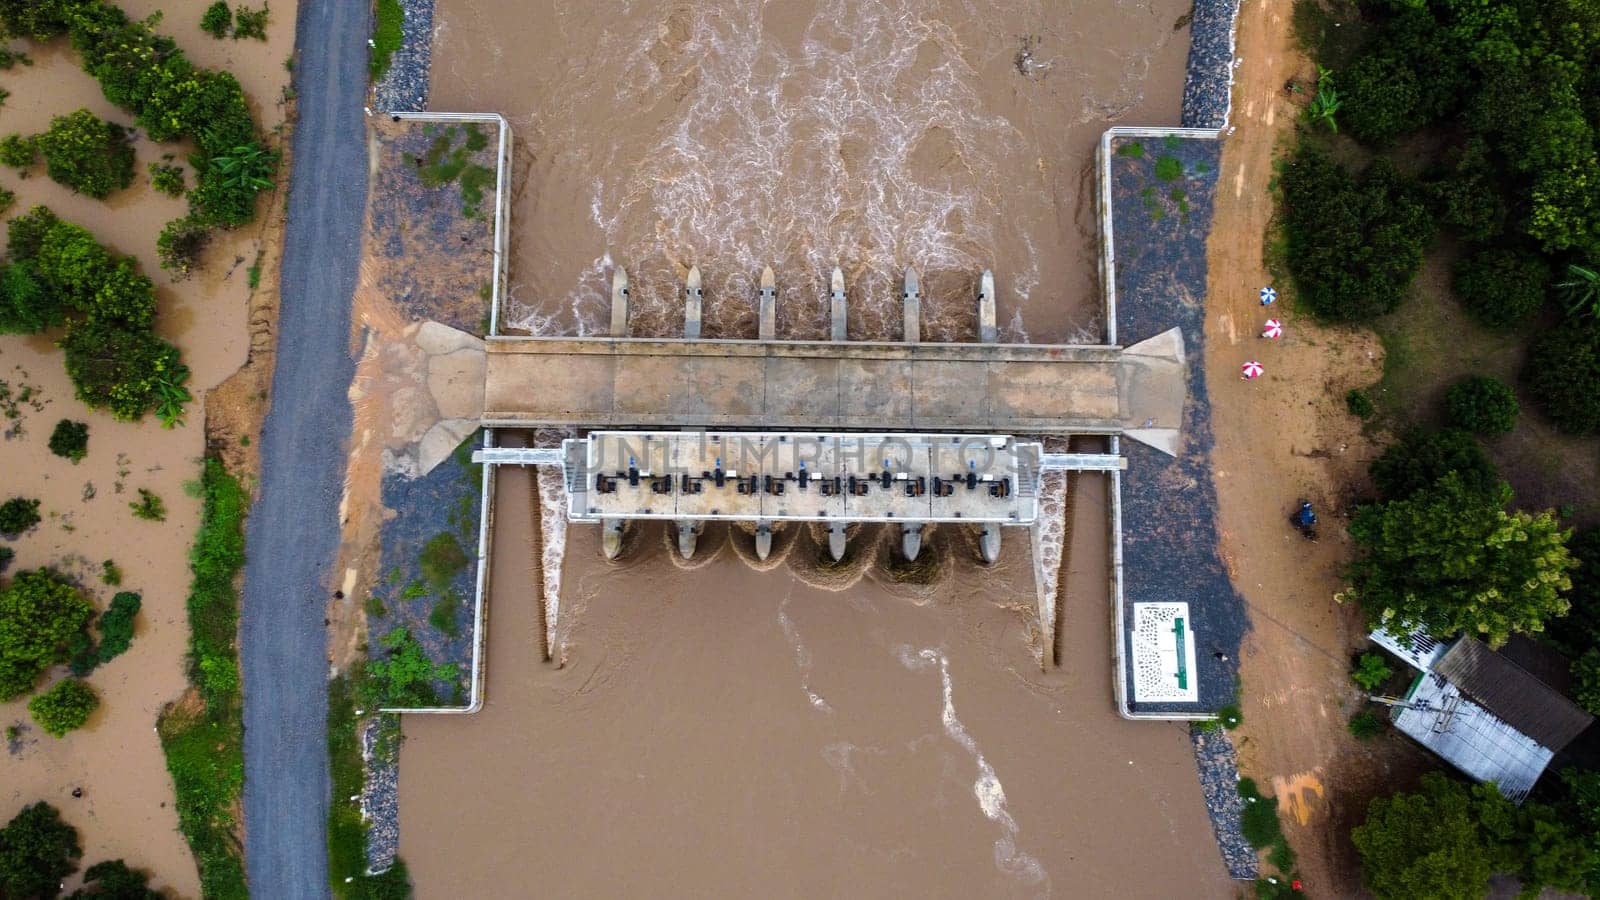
(1268, 295)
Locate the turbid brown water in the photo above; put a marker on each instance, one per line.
(723, 728)
(872, 134)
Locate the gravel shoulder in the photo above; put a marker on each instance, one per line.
(293, 531)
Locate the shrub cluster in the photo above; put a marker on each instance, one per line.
(147, 74)
(1354, 243)
(1482, 404)
(1502, 287)
(115, 360)
(217, 20)
(1563, 377)
(70, 440)
(17, 515)
(40, 614)
(65, 707)
(88, 154)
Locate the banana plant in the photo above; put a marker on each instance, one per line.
(1326, 103)
(1581, 291)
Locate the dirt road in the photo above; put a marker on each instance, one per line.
(1281, 437)
(293, 530)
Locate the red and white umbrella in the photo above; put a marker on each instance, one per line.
(1252, 369)
(1272, 330)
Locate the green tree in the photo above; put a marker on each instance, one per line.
(18, 515)
(1502, 287)
(167, 179)
(87, 153)
(25, 306)
(118, 369)
(26, 233)
(180, 244)
(406, 675)
(70, 440)
(40, 614)
(116, 625)
(1482, 404)
(1450, 559)
(1354, 244)
(111, 879)
(1579, 630)
(37, 850)
(87, 277)
(1420, 458)
(65, 707)
(1426, 844)
(1586, 681)
(1562, 377)
(18, 152)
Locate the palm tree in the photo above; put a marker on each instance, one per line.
(1581, 291)
(1326, 102)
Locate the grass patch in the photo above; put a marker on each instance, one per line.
(1331, 31)
(444, 613)
(347, 832)
(1169, 168)
(1132, 149)
(203, 741)
(414, 591)
(1230, 716)
(447, 162)
(387, 21)
(442, 560)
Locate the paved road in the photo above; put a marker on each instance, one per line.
(293, 531)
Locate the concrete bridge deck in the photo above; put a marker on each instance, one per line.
(810, 385)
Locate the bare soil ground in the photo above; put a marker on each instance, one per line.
(1285, 436)
(219, 323)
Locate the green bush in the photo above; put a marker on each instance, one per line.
(1258, 820)
(40, 613)
(1482, 404)
(18, 515)
(87, 153)
(442, 559)
(1354, 244)
(250, 23)
(1470, 196)
(1169, 168)
(1360, 404)
(118, 369)
(18, 152)
(405, 676)
(1586, 681)
(116, 625)
(110, 573)
(1501, 287)
(37, 851)
(168, 179)
(88, 278)
(1563, 377)
(70, 440)
(112, 879)
(6, 556)
(180, 244)
(63, 708)
(217, 20)
(1364, 726)
(1371, 671)
(149, 506)
(388, 21)
(25, 233)
(1420, 458)
(1230, 716)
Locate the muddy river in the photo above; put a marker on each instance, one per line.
(723, 728)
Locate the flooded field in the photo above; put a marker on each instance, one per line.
(725, 731)
(790, 728)
(126, 809)
(952, 136)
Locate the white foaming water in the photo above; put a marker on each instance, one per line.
(553, 533)
(1050, 537)
(802, 656)
(862, 149)
(991, 795)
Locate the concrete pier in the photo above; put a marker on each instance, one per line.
(836, 541)
(763, 539)
(619, 302)
(912, 297)
(688, 537)
(611, 537)
(693, 299)
(911, 539)
(768, 312)
(836, 301)
(987, 332)
(989, 542)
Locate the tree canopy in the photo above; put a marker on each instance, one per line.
(88, 154)
(40, 613)
(111, 879)
(1451, 559)
(37, 850)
